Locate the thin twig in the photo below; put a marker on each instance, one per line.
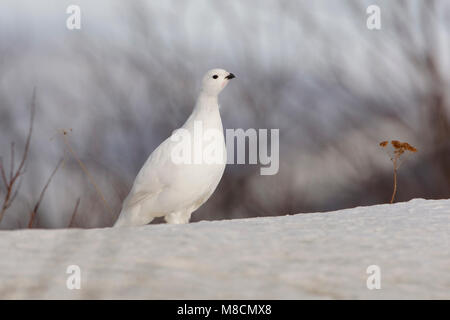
(2, 170)
(30, 131)
(395, 181)
(72, 219)
(13, 197)
(11, 192)
(41, 197)
(11, 171)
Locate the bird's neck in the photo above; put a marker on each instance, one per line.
(206, 102)
(206, 109)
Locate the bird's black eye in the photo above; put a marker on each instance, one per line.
(215, 76)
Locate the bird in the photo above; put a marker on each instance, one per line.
(184, 170)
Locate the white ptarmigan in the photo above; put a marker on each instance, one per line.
(172, 188)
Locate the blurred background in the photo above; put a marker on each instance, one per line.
(312, 69)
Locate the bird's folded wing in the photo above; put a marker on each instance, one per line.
(146, 186)
(155, 175)
(138, 197)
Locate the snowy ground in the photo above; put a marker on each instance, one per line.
(318, 255)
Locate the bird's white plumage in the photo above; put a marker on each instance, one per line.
(166, 188)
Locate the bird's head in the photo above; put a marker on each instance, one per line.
(215, 80)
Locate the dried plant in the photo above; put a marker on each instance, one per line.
(397, 152)
(41, 197)
(12, 184)
(74, 213)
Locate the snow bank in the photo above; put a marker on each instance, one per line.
(317, 255)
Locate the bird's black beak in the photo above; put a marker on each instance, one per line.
(230, 76)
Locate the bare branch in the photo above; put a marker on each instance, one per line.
(72, 219)
(41, 197)
(30, 131)
(3, 174)
(15, 192)
(11, 193)
(11, 171)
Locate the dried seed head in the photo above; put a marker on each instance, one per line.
(398, 148)
(410, 147)
(401, 147)
(396, 144)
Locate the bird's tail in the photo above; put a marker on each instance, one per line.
(121, 220)
(131, 216)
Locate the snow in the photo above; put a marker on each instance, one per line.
(303, 256)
